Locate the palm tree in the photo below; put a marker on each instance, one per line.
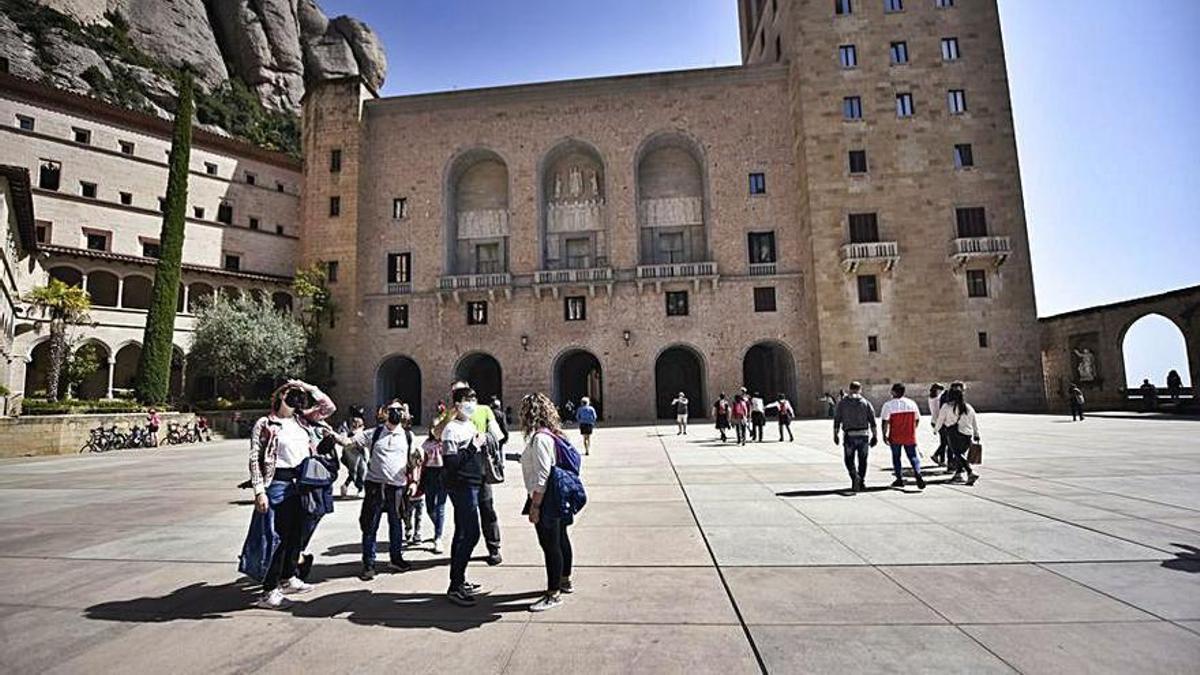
(66, 306)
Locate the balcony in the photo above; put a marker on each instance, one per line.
(400, 288)
(695, 272)
(476, 282)
(884, 254)
(965, 249)
(592, 277)
(762, 269)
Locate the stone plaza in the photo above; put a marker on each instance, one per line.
(1078, 551)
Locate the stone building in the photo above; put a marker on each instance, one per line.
(97, 174)
(844, 205)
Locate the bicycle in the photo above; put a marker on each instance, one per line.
(97, 442)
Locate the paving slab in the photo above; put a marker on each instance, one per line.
(1054, 541)
(653, 648)
(1093, 647)
(751, 512)
(776, 546)
(1151, 586)
(873, 649)
(824, 595)
(915, 543)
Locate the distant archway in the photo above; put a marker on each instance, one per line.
(577, 373)
(136, 292)
(95, 386)
(198, 294)
(102, 287)
(125, 367)
(482, 372)
(68, 275)
(399, 377)
(1152, 346)
(37, 370)
(769, 369)
(679, 369)
(282, 301)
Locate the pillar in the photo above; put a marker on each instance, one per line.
(120, 295)
(186, 298)
(112, 367)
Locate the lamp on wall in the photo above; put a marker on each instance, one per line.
(525, 342)
(626, 336)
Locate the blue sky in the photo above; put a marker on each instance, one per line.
(1106, 98)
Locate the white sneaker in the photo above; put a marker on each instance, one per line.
(437, 546)
(295, 585)
(273, 600)
(546, 602)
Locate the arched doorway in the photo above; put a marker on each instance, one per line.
(1153, 346)
(37, 371)
(679, 369)
(577, 373)
(768, 368)
(399, 377)
(125, 366)
(95, 385)
(176, 382)
(482, 372)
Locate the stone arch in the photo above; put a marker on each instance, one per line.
(672, 196)
(125, 366)
(137, 292)
(477, 205)
(37, 369)
(679, 367)
(483, 372)
(769, 368)
(399, 377)
(231, 292)
(572, 213)
(177, 383)
(95, 386)
(68, 274)
(282, 301)
(1172, 353)
(197, 292)
(577, 372)
(102, 288)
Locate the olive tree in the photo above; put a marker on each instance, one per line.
(241, 340)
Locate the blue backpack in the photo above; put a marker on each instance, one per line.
(565, 454)
(565, 495)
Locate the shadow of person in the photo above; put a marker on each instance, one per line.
(194, 602)
(1187, 560)
(414, 610)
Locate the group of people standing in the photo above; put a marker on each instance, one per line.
(746, 414)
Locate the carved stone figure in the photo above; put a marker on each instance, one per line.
(558, 186)
(576, 182)
(594, 183)
(1086, 367)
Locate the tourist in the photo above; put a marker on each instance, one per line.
(354, 456)
(498, 415)
(935, 403)
(855, 416)
(758, 417)
(1174, 384)
(680, 405)
(1075, 397)
(203, 432)
(539, 421)
(783, 408)
(1149, 396)
(433, 485)
(740, 414)
(463, 474)
(830, 404)
(721, 412)
(279, 442)
(586, 417)
(487, 425)
(957, 417)
(568, 410)
(385, 485)
(153, 422)
(414, 498)
(900, 417)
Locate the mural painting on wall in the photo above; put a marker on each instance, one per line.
(1085, 359)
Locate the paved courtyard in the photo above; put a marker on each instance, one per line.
(1076, 552)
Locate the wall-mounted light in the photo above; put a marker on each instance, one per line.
(525, 342)
(626, 336)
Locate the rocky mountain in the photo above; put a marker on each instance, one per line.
(251, 58)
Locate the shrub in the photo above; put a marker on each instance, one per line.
(79, 407)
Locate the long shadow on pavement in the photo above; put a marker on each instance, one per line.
(1187, 560)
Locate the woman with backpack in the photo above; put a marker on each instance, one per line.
(957, 418)
(740, 414)
(539, 461)
(786, 414)
(721, 410)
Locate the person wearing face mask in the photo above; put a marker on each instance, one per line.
(385, 483)
(484, 419)
(463, 476)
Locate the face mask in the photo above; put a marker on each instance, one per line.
(393, 417)
(468, 408)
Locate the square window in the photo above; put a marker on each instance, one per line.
(96, 241)
(49, 174)
(670, 247)
(278, 186)
(25, 123)
(983, 339)
(251, 179)
(893, 6)
(335, 161)
(852, 108)
(233, 262)
(126, 147)
(397, 316)
(950, 49)
(210, 168)
(335, 207)
(331, 271)
(864, 228)
(843, 7)
(399, 268)
(858, 161)
(579, 253)
(899, 53)
(758, 183)
(487, 258)
(399, 208)
(761, 246)
(971, 221)
(278, 229)
(977, 284)
(764, 299)
(957, 101)
(848, 56)
(904, 105)
(225, 213)
(942, 4)
(677, 303)
(477, 313)
(873, 343)
(198, 212)
(42, 231)
(126, 198)
(575, 308)
(868, 288)
(151, 249)
(83, 136)
(253, 223)
(87, 189)
(963, 156)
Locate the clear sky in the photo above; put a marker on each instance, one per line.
(1106, 98)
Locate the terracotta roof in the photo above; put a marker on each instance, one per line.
(19, 187)
(151, 262)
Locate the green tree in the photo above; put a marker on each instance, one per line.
(318, 310)
(66, 306)
(80, 364)
(242, 340)
(154, 368)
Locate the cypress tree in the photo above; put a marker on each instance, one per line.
(154, 368)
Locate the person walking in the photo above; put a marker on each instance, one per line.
(958, 418)
(586, 417)
(758, 417)
(354, 457)
(900, 418)
(461, 447)
(680, 405)
(783, 408)
(543, 433)
(721, 411)
(1075, 396)
(855, 416)
(433, 484)
(386, 481)
(935, 404)
(741, 413)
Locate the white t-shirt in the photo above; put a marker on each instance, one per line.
(291, 444)
(389, 458)
(536, 462)
(756, 405)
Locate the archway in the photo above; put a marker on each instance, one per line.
(176, 382)
(282, 301)
(102, 287)
(671, 200)
(37, 370)
(482, 372)
(198, 294)
(136, 292)
(679, 369)
(94, 386)
(477, 212)
(399, 377)
(68, 275)
(577, 373)
(572, 213)
(1152, 346)
(125, 367)
(768, 368)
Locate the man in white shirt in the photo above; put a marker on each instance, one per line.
(386, 478)
(758, 417)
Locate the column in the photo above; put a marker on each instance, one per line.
(120, 297)
(186, 298)
(112, 367)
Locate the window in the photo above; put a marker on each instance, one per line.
(864, 228)
(335, 207)
(848, 56)
(25, 123)
(977, 284)
(957, 100)
(983, 339)
(151, 249)
(335, 160)
(963, 156)
(575, 308)
(253, 223)
(764, 299)
(852, 108)
(210, 168)
(42, 231)
(778, 49)
(278, 229)
(873, 343)
(49, 174)
(126, 147)
(251, 179)
(331, 271)
(278, 186)
(972, 222)
(858, 161)
(950, 49)
(399, 208)
(893, 6)
(579, 253)
(233, 262)
(477, 312)
(399, 268)
(761, 246)
(758, 183)
(162, 204)
(670, 247)
(942, 4)
(904, 105)
(96, 241)
(843, 7)
(126, 198)
(899, 53)
(487, 258)
(87, 189)
(868, 288)
(83, 136)
(677, 303)
(198, 212)
(397, 316)
(225, 213)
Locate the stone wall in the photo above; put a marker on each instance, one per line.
(65, 434)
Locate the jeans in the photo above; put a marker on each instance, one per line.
(382, 498)
(283, 494)
(413, 507)
(740, 427)
(465, 499)
(488, 519)
(435, 498)
(856, 447)
(786, 426)
(959, 445)
(556, 547)
(939, 455)
(911, 451)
